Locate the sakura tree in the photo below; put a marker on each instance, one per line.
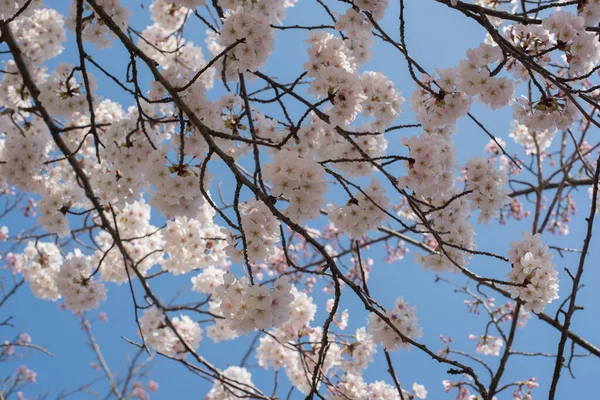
(235, 176)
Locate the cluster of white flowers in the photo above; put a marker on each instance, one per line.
(93, 29)
(158, 334)
(419, 391)
(302, 311)
(194, 243)
(550, 112)
(353, 387)
(403, 317)
(475, 78)
(272, 353)
(435, 110)
(582, 47)
(261, 232)
(373, 145)
(62, 95)
(531, 140)
(488, 345)
(533, 270)
(160, 44)
(358, 29)
(129, 160)
(380, 390)
(80, 290)
(178, 194)
(40, 35)
(208, 280)
(248, 24)
(488, 186)
(143, 241)
(52, 209)
(362, 214)
(430, 172)
(375, 7)
(8, 8)
(334, 70)
(14, 93)
(320, 140)
(279, 351)
(457, 85)
(168, 14)
(275, 352)
(299, 180)
(334, 67)
(360, 352)
(106, 113)
(275, 10)
(179, 60)
(533, 40)
(381, 101)
(24, 156)
(237, 381)
(247, 307)
(144, 251)
(39, 263)
(591, 12)
(221, 330)
(453, 227)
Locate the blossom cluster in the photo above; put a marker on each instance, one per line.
(431, 164)
(238, 377)
(403, 318)
(247, 307)
(534, 275)
(358, 30)
(300, 180)
(172, 341)
(547, 113)
(488, 345)
(247, 27)
(452, 223)
(581, 48)
(192, 243)
(334, 68)
(41, 34)
(361, 214)
(487, 185)
(279, 350)
(77, 285)
(534, 142)
(533, 40)
(142, 244)
(473, 77)
(92, 28)
(476, 79)
(261, 233)
(40, 263)
(321, 140)
(376, 7)
(208, 280)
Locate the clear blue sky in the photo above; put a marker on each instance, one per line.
(437, 37)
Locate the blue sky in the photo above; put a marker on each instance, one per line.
(436, 37)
